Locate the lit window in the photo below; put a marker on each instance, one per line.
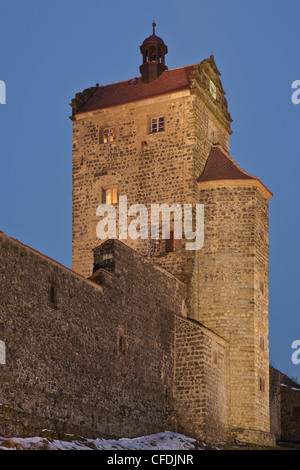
(109, 135)
(157, 124)
(110, 195)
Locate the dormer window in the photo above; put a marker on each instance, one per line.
(157, 124)
(109, 135)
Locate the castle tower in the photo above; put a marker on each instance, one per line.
(163, 138)
(148, 139)
(232, 276)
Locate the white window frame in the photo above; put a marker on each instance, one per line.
(155, 124)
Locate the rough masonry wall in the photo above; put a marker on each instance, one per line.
(284, 406)
(275, 402)
(81, 358)
(261, 308)
(290, 413)
(226, 296)
(200, 381)
(147, 168)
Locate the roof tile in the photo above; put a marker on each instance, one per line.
(134, 89)
(220, 166)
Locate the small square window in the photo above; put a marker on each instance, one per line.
(157, 124)
(109, 135)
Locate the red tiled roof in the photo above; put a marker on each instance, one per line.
(220, 166)
(135, 89)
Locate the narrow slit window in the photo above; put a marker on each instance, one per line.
(122, 345)
(53, 295)
(262, 343)
(170, 243)
(262, 386)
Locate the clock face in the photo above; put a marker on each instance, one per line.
(213, 89)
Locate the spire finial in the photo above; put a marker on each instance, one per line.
(153, 24)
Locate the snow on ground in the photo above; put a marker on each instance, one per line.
(162, 441)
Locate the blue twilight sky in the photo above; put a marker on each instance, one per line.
(51, 50)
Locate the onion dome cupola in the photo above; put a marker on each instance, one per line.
(154, 51)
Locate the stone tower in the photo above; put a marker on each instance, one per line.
(163, 138)
(147, 138)
(232, 284)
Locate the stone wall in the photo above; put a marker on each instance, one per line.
(275, 402)
(85, 358)
(290, 413)
(284, 406)
(200, 381)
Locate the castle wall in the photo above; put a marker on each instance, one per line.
(275, 402)
(200, 381)
(284, 406)
(290, 413)
(81, 358)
